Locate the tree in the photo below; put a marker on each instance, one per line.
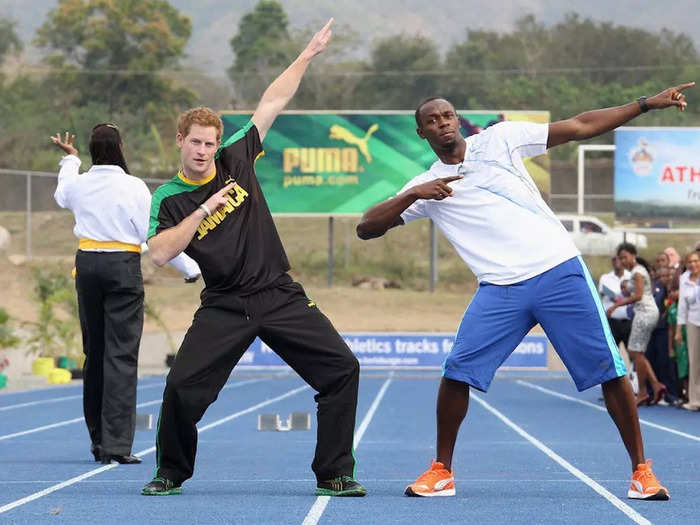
(7, 336)
(404, 69)
(609, 53)
(263, 48)
(334, 78)
(581, 50)
(9, 41)
(572, 66)
(112, 50)
(57, 331)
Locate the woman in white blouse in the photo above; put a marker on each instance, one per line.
(111, 210)
(689, 315)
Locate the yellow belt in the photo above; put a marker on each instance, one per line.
(89, 244)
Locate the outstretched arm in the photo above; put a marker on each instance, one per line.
(593, 123)
(282, 89)
(381, 217)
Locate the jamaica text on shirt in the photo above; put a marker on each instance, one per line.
(236, 196)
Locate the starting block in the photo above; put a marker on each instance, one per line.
(296, 421)
(144, 421)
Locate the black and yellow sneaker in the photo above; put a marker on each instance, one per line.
(340, 486)
(161, 487)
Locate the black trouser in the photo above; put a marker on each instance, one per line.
(110, 303)
(289, 323)
(657, 355)
(620, 329)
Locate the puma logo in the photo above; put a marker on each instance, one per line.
(443, 483)
(362, 143)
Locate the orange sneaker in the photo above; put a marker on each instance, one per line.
(436, 481)
(644, 484)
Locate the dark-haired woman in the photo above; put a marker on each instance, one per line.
(111, 211)
(646, 316)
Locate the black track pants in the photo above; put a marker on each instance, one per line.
(110, 304)
(287, 321)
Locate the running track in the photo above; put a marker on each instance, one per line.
(532, 450)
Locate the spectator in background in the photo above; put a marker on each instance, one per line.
(674, 258)
(664, 276)
(646, 315)
(662, 260)
(657, 350)
(689, 315)
(677, 351)
(611, 292)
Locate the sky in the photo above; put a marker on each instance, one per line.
(445, 21)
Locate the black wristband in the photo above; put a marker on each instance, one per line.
(642, 101)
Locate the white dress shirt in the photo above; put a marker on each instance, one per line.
(688, 300)
(612, 282)
(109, 205)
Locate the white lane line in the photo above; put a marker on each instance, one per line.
(603, 409)
(42, 402)
(76, 479)
(370, 413)
(252, 409)
(616, 502)
(77, 419)
(56, 487)
(64, 398)
(42, 428)
(319, 506)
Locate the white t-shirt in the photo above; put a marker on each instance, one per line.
(610, 283)
(496, 219)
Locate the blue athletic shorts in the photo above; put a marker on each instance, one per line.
(563, 300)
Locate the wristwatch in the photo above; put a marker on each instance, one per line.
(642, 101)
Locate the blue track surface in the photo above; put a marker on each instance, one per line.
(522, 457)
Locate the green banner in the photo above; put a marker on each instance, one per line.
(343, 163)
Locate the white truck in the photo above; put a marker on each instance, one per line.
(593, 237)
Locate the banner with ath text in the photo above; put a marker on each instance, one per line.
(657, 177)
(406, 350)
(344, 162)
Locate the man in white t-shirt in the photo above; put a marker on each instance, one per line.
(610, 289)
(529, 271)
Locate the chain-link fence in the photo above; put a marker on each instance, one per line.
(37, 225)
(598, 185)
